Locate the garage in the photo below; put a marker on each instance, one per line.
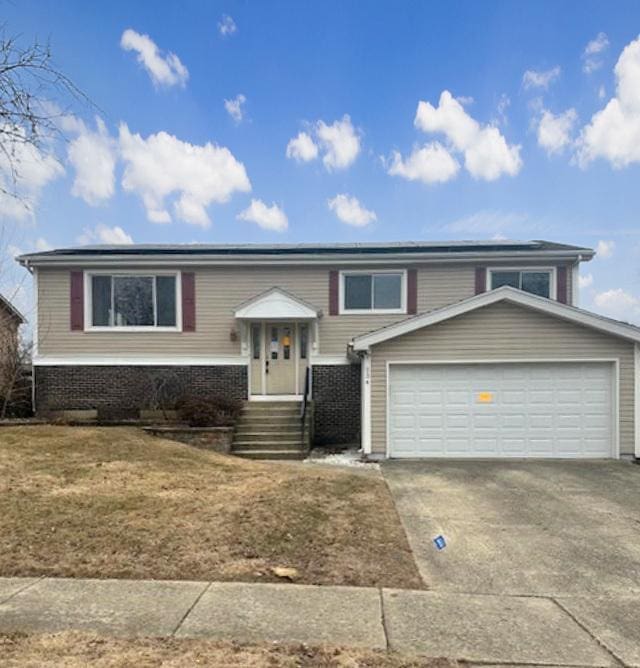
(500, 410)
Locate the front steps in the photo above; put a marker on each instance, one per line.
(271, 430)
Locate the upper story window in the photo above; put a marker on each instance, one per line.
(124, 301)
(536, 281)
(373, 292)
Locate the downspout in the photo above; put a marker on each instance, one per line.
(365, 388)
(575, 282)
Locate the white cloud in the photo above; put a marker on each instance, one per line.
(226, 25)
(487, 154)
(302, 148)
(604, 249)
(503, 104)
(614, 132)
(24, 171)
(540, 79)
(340, 142)
(93, 156)
(234, 107)
(162, 165)
(555, 130)
(590, 54)
(602, 93)
(42, 244)
(267, 217)
(430, 164)
(105, 235)
(617, 303)
(585, 281)
(484, 223)
(164, 70)
(350, 211)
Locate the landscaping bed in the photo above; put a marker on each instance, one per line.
(113, 502)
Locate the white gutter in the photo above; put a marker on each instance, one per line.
(145, 259)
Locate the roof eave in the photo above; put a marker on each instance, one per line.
(43, 259)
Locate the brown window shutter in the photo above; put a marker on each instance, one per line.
(188, 302)
(481, 280)
(412, 291)
(561, 287)
(334, 292)
(76, 297)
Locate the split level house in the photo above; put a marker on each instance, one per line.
(460, 349)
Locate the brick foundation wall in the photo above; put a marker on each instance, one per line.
(336, 398)
(119, 392)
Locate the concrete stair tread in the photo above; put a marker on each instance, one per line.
(241, 443)
(270, 430)
(269, 454)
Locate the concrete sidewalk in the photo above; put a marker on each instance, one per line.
(476, 628)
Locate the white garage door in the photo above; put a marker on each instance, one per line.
(501, 410)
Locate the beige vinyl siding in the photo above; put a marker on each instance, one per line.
(219, 290)
(501, 332)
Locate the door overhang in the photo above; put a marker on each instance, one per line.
(276, 304)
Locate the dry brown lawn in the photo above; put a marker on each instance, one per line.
(76, 650)
(115, 503)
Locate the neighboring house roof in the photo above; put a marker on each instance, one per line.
(276, 304)
(503, 294)
(12, 310)
(319, 251)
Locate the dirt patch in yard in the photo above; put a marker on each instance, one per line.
(116, 503)
(73, 650)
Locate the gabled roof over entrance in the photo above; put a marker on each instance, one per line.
(504, 294)
(276, 304)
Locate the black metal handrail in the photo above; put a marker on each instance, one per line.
(305, 396)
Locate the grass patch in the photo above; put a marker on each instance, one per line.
(75, 650)
(117, 503)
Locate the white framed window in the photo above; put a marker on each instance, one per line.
(373, 291)
(132, 301)
(539, 281)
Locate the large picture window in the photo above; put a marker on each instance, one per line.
(535, 282)
(376, 292)
(133, 301)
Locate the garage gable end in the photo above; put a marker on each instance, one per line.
(501, 295)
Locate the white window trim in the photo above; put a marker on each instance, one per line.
(374, 311)
(88, 299)
(552, 271)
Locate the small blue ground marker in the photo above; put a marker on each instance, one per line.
(440, 542)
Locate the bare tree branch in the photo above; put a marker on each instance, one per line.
(31, 92)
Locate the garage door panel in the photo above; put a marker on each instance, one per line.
(404, 421)
(457, 446)
(501, 410)
(431, 421)
(513, 446)
(458, 420)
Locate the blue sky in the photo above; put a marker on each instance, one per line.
(358, 121)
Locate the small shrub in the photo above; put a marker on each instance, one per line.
(209, 411)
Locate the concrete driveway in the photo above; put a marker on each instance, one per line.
(566, 531)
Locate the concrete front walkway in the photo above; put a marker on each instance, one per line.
(476, 628)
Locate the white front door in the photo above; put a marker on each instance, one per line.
(536, 410)
(280, 359)
(279, 352)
